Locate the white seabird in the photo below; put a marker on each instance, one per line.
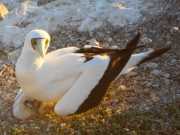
(75, 78)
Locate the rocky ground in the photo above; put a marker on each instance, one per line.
(146, 101)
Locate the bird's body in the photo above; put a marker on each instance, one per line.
(63, 69)
(75, 78)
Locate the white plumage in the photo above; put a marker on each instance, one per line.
(68, 76)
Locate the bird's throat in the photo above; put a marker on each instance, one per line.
(38, 62)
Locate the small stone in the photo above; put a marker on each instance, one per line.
(114, 47)
(148, 84)
(154, 97)
(173, 61)
(132, 73)
(152, 65)
(122, 87)
(109, 39)
(146, 40)
(168, 42)
(3, 11)
(155, 85)
(156, 72)
(175, 28)
(166, 75)
(63, 124)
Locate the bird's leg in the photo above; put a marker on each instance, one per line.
(20, 110)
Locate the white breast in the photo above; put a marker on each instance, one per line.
(52, 80)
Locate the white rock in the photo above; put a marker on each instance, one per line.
(85, 15)
(175, 28)
(146, 40)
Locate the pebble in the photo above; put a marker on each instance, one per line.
(151, 65)
(146, 40)
(166, 75)
(168, 42)
(175, 28)
(155, 85)
(122, 87)
(132, 73)
(148, 84)
(156, 72)
(154, 97)
(173, 61)
(114, 47)
(110, 39)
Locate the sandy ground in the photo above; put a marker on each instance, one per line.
(146, 101)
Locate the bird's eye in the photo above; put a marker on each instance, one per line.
(33, 43)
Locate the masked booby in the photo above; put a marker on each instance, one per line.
(75, 78)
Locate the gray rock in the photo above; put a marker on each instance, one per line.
(146, 40)
(173, 61)
(156, 72)
(166, 75)
(167, 81)
(151, 65)
(155, 85)
(114, 47)
(110, 39)
(132, 73)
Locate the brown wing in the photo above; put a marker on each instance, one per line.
(118, 59)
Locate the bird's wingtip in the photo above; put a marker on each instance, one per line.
(132, 44)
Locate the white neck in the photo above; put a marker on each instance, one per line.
(29, 60)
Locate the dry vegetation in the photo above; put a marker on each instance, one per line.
(145, 102)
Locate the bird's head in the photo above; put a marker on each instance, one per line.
(37, 42)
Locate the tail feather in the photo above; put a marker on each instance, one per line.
(155, 53)
(137, 59)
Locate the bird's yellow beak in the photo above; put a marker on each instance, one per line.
(40, 47)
